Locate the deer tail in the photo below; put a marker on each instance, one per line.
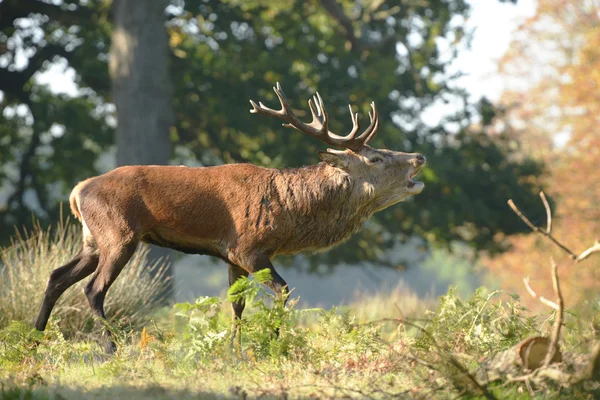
(74, 200)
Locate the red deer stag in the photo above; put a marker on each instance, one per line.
(240, 213)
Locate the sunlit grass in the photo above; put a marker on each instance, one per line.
(26, 266)
(398, 302)
(369, 348)
(334, 353)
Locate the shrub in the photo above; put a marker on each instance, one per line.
(481, 325)
(26, 266)
(268, 327)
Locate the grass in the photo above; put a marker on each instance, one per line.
(25, 267)
(369, 349)
(318, 354)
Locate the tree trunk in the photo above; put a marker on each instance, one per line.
(141, 87)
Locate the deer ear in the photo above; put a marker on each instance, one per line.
(334, 158)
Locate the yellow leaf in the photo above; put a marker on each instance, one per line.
(145, 339)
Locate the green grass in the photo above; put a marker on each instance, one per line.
(318, 353)
(391, 345)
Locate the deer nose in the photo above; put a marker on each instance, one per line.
(421, 159)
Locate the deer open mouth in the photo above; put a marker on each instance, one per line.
(410, 181)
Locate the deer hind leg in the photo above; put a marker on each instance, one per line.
(82, 265)
(112, 261)
(235, 273)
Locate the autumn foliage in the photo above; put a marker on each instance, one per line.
(552, 71)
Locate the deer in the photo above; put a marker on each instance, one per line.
(240, 213)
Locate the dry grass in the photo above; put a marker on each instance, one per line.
(398, 302)
(32, 256)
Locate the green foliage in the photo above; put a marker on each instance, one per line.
(481, 325)
(269, 327)
(224, 53)
(344, 334)
(26, 267)
(248, 290)
(205, 330)
(15, 392)
(20, 343)
(17, 342)
(330, 354)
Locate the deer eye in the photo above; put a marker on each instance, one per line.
(375, 160)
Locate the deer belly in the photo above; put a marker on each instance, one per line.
(188, 245)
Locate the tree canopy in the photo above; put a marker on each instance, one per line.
(552, 69)
(396, 53)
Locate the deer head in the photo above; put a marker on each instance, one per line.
(386, 175)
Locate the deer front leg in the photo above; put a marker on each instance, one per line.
(254, 263)
(277, 283)
(235, 273)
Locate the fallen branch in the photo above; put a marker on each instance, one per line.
(534, 355)
(450, 359)
(586, 367)
(553, 349)
(542, 299)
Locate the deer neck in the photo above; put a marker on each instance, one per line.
(327, 206)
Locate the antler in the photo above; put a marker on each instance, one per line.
(318, 127)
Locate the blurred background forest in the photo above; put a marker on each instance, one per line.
(159, 82)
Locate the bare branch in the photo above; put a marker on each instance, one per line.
(536, 229)
(548, 213)
(553, 348)
(594, 249)
(548, 232)
(523, 217)
(542, 299)
(450, 359)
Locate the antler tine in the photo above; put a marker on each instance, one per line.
(315, 102)
(260, 108)
(319, 118)
(323, 110)
(314, 108)
(371, 130)
(318, 127)
(355, 123)
(317, 114)
(285, 113)
(285, 107)
(375, 129)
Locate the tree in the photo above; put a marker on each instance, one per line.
(141, 86)
(395, 52)
(47, 141)
(228, 52)
(554, 64)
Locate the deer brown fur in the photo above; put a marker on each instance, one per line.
(241, 213)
